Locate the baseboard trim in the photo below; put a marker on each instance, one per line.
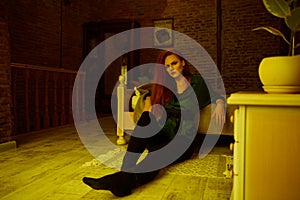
(8, 146)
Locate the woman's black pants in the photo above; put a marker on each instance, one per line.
(138, 144)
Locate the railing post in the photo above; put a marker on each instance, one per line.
(37, 124)
(54, 114)
(14, 93)
(76, 85)
(63, 102)
(26, 101)
(70, 112)
(83, 117)
(121, 97)
(46, 101)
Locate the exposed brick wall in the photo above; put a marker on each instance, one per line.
(50, 33)
(35, 29)
(243, 49)
(198, 20)
(5, 94)
(36, 34)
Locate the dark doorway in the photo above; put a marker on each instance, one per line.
(93, 34)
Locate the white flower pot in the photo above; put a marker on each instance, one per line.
(280, 74)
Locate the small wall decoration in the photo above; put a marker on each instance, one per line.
(163, 34)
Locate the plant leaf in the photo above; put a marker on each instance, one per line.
(293, 21)
(278, 8)
(272, 30)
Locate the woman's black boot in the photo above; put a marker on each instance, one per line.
(120, 183)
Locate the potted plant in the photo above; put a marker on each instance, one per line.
(281, 74)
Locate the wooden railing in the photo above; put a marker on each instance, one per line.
(42, 97)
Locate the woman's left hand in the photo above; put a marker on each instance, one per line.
(219, 113)
(147, 106)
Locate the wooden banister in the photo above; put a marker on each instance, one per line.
(42, 97)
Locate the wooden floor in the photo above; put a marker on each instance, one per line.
(48, 165)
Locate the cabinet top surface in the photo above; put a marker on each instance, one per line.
(261, 98)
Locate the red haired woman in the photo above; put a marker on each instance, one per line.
(181, 95)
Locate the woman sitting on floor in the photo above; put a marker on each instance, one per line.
(156, 128)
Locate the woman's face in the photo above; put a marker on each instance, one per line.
(174, 65)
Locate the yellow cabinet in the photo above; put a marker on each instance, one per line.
(267, 146)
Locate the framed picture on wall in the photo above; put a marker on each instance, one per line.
(163, 34)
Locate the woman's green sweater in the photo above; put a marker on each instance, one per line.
(184, 108)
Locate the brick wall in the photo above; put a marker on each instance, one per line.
(36, 34)
(243, 49)
(49, 33)
(5, 94)
(37, 27)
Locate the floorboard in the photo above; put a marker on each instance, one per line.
(48, 165)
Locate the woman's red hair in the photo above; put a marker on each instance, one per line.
(164, 84)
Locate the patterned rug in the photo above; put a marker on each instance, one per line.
(212, 166)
